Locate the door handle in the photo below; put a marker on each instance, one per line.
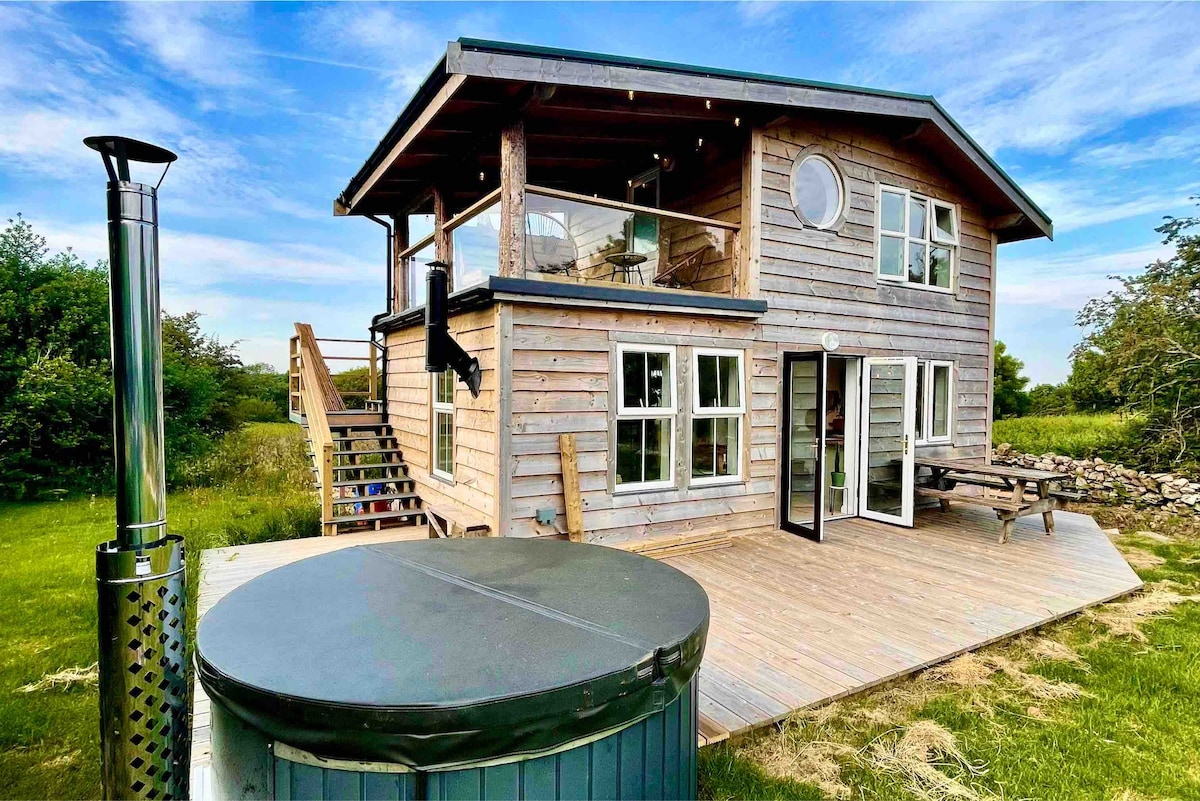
(906, 444)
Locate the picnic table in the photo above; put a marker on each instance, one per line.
(948, 473)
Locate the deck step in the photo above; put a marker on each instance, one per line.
(371, 452)
(362, 482)
(395, 496)
(372, 516)
(367, 438)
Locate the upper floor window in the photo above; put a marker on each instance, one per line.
(917, 239)
(817, 192)
(646, 408)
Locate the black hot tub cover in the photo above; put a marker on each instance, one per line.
(442, 652)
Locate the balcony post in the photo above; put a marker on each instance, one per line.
(400, 275)
(443, 243)
(512, 200)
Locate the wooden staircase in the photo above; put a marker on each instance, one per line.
(358, 467)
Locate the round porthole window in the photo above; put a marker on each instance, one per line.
(817, 193)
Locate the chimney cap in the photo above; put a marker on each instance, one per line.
(131, 149)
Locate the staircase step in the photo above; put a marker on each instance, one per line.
(367, 438)
(401, 515)
(395, 496)
(373, 451)
(362, 482)
(379, 466)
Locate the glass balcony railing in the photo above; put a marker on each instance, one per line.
(577, 239)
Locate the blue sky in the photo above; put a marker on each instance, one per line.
(1093, 109)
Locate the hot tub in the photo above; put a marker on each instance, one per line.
(473, 668)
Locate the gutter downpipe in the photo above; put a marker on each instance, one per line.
(390, 282)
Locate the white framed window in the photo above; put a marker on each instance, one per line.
(442, 458)
(718, 411)
(646, 410)
(916, 239)
(935, 401)
(818, 194)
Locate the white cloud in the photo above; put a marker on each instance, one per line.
(759, 12)
(1073, 205)
(1069, 280)
(201, 42)
(1041, 77)
(1183, 145)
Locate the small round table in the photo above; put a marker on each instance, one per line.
(624, 263)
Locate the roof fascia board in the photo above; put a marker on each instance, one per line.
(435, 104)
(477, 60)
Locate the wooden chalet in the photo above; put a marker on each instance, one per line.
(713, 310)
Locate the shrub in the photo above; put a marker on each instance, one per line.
(1112, 437)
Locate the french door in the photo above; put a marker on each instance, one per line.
(803, 443)
(888, 437)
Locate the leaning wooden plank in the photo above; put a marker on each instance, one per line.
(571, 495)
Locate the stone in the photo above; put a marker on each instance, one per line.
(1171, 493)
(1190, 500)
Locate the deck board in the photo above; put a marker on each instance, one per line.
(875, 602)
(797, 623)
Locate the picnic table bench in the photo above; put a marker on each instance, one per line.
(947, 473)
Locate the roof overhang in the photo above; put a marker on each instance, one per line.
(507, 75)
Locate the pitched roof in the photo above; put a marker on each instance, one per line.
(482, 60)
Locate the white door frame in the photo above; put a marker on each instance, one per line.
(909, 417)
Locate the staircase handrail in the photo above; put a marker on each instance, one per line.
(313, 405)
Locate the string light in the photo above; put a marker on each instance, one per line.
(656, 157)
(737, 121)
(708, 104)
(700, 142)
(481, 175)
(631, 94)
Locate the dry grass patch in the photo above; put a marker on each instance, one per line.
(1141, 559)
(1045, 649)
(798, 751)
(926, 756)
(1124, 619)
(64, 679)
(1037, 687)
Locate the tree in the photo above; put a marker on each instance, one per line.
(1051, 399)
(1009, 398)
(1144, 345)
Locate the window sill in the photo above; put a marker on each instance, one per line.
(943, 441)
(633, 489)
(904, 282)
(716, 481)
(445, 478)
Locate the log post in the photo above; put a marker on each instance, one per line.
(443, 243)
(400, 276)
(571, 496)
(512, 200)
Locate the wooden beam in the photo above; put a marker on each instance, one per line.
(746, 267)
(443, 243)
(622, 206)
(399, 265)
(1005, 221)
(570, 480)
(435, 105)
(512, 200)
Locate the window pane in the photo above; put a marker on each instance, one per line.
(444, 383)
(941, 401)
(633, 371)
(445, 442)
(727, 451)
(891, 212)
(703, 447)
(943, 218)
(920, 401)
(659, 367)
(939, 267)
(658, 449)
(818, 192)
(916, 218)
(731, 391)
(706, 378)
(891, 256)
(629, 451)
(916, 263)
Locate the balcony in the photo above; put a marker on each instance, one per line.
(576, 239)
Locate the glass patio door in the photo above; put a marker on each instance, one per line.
(803, 443)
(888, 436)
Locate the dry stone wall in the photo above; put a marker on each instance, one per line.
(1102, 482)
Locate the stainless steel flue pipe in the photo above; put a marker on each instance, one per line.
(140, 576)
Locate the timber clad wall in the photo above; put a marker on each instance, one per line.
(563, 381)
(473, 493)
(718, 198)
(816, 281)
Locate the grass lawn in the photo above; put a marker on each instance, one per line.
(1102, 706)
(1077, 435)
(1084, 709)
(49, 738)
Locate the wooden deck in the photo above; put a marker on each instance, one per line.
(796, 623)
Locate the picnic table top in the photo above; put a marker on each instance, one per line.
(997, 470)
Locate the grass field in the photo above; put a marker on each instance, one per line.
(49, 740)
(1085, 709)
(1077, 435)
